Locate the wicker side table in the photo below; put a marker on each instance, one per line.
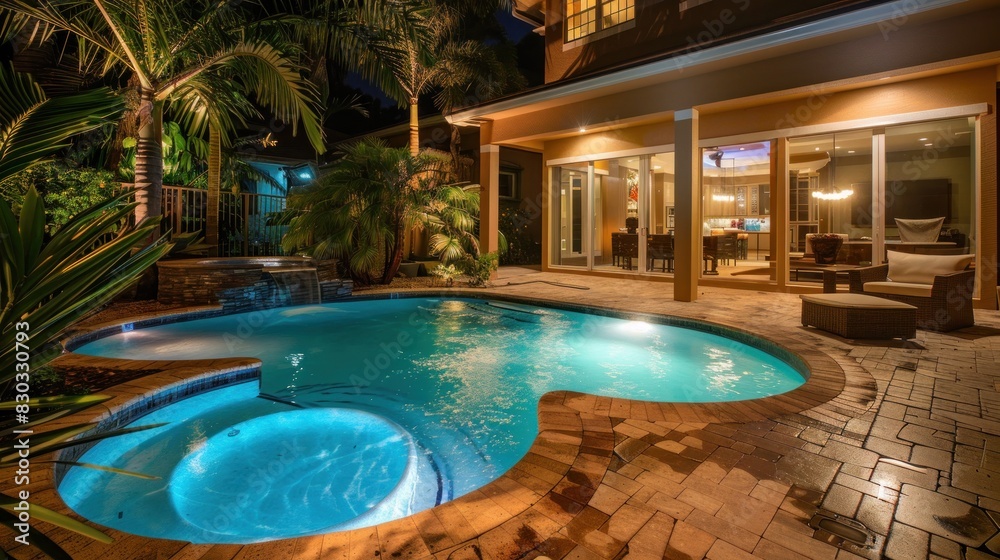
(859, 316)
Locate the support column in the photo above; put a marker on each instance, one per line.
(489, 196)
(687, 206)
(779, 211)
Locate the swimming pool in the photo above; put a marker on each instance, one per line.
(369, 411)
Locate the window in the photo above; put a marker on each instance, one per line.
(586, 17)
(509, 183)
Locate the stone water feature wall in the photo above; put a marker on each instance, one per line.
(264, 294)
(242, 284)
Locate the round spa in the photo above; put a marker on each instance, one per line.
(368, 411)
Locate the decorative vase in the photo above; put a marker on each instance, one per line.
(825, 249)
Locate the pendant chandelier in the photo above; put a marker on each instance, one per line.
(833, 193)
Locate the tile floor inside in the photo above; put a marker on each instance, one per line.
(910, 449)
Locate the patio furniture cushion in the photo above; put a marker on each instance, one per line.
(926, 231)
(854, 301)
(921, 269)
(899, 288)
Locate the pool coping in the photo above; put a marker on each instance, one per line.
(562, 469)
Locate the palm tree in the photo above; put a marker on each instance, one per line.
(445, 60)
(359, 210)
(175, 51)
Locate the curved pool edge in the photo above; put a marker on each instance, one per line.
(571, 453)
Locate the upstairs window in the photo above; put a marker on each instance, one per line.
(586, 17)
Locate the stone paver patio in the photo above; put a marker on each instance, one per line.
(902, 437)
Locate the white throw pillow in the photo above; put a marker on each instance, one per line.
(921, 269)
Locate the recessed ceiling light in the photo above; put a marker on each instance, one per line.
(742, 149)
(817, 148)
(929, 144)
(923, 139)
(583, 129)
(836, 147)
(850, 151)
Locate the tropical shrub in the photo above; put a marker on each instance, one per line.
(446, 273)
(359, 210)
(67, 190)
(480, 268)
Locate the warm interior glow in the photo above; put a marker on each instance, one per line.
(838, 195)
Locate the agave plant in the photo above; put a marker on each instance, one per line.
(45, 288)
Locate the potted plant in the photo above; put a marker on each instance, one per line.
(825, 247)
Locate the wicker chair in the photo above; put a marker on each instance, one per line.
(944, 304)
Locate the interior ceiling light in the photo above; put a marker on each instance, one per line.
(727, 193)
(833, 193)
(837, 195)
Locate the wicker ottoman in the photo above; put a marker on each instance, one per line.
(859, 316)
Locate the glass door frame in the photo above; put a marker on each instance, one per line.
(588, 197)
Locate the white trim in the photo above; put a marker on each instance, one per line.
(780, 38)
(489, 149)
(858, 124)
(661, 149)
(587, 229)
(977, 191)
(878, 198)
(685, 115)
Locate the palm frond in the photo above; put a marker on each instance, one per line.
(33, 127)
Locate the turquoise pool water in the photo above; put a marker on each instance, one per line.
(369, 411)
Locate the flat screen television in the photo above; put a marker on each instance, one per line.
(915, 199)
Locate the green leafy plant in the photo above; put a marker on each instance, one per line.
(358, 211)
(480, 268)
(446, 273)
(34, 126)
(67, 190)
(189, 55)
(451, 214)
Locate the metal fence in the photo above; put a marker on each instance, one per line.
(246, 225)
(245, 220)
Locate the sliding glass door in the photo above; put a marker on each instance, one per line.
(606, 212)
(856, 196)
(570, 197)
